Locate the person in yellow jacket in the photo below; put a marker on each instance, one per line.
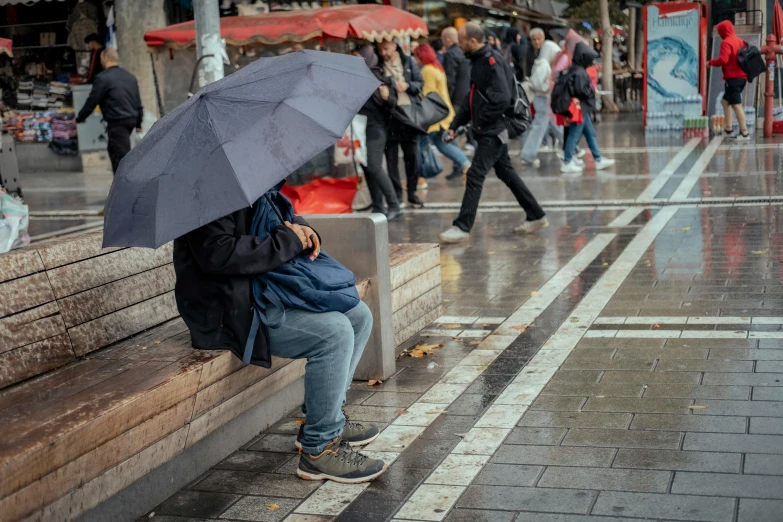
(435, 81)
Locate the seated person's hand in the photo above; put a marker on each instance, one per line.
(314, 241)
(300, 232)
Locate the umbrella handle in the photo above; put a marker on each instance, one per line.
(277, 212)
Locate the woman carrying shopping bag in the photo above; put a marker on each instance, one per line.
(435, 81)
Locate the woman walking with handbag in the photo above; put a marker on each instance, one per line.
(435, 81)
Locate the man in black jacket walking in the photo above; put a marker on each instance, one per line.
(457, 69)
(492, 84)
(117, 92)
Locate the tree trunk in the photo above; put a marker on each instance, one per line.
(632, 38)
(606, 45)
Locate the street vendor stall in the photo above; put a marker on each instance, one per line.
(332, 175)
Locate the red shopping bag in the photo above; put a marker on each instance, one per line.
(323, 195)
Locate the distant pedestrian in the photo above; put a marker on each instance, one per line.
(457, 69)
(515, 51)
(490, 97)
(537, 37)
(493, 41)
(580, 87)
(734, 76)
(440, 49)
(376, 109)
(406, 78)
(96, 48)
(435, 81)
(541, 85)
(117, 92)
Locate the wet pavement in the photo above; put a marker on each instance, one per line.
(625, 363)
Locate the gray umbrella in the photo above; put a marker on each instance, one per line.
(234, 140)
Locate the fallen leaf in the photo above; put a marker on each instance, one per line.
(760, 252)
(143, 347)
(272, 507)
(697, 407)
(428, 348)
(373, 382)
(299, 422)
(656, 326)
(520, 328)
(533, 293)
(491, 253)
(685, 229)
(157, 342)
(401, 412)
(408, 219)
(416, 353)
(604, 264)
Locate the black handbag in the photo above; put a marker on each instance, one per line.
(423, 112)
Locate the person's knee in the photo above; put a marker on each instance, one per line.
(361, 318)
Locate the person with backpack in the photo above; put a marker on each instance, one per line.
(492, 94)
(734, 76)
(574, 99)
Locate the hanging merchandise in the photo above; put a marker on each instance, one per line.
(82, 21)
(13, 222)
(111, 30)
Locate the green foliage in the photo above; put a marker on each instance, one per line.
(587, 10)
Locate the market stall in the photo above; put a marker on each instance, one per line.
(331, 175)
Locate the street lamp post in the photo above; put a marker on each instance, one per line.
(209, 45)
(770, 51)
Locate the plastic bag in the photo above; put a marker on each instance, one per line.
(322, 195)
(355, 137)
(14, 220)
(430, 164)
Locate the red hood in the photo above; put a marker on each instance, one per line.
(725, 29)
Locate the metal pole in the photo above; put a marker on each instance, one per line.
(208, 41)
(770, 52)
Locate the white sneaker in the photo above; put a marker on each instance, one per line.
(545, 148)
(560, 154)
(578, 162)
(528, 227)
(742, 137)
(570, 168)
(454, 235)
(469, 149)
(535, 163)
(604, 163)
(580, 153)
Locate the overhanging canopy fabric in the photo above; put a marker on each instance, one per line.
(25, 2)
(516, 11)
(368, 22)
(6, 46)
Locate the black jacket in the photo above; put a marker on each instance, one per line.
(117, 92)
(491, 81)
(580, 86)
(410, 70)
(215, 265)
(376, 108)
(457, 69)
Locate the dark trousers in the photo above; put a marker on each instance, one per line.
(491, 152)
(119, 140)
(410, 153)
(378, 182)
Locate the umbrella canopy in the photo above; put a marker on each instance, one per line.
(6, 46)
(777, 22)
(369, 22)
(234, 140)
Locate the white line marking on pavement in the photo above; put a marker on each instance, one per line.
(428, 503)
(659, 181)
(406, 428)
(690, 180)
(688, 320)
(626, 216)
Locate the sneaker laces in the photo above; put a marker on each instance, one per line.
(352, 425)
(349, 455)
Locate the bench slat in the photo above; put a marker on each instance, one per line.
(408, 292)
(96, 271)
(409, 261)
(30, 326)
(33, 359)
(25, 293)
(96, 302)
(158, 333)
(92, 464)
(19, 263)
(61, 252)
(103, 331)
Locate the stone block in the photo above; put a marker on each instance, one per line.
(772, 444)
(575, 419)
(553, 456)
(611, 404)
(536, 436)
(622, 439)
(674, 507)
(527, 499)
(706, 423)
(677, 460)
(509, 475)
(728, 485)
(753, 510)
(643, 481)
(662, 391)
(756, 464)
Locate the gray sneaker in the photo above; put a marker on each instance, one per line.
(354, 433)
(528, 227)
(340, 463)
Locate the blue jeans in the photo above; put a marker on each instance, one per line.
(449, 150)
(575, 133)
(332, 343)
(542, 125)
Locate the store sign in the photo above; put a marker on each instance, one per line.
(672, 55)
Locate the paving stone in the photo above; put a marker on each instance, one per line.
(357, 396)
(289, 468)
(253, 461)
(275, 442)
(663, 354)
(642, 481)
(762, 393)
(369, 510)
(705, 423)
(641, 344)
(766, 425)
(742, 379)
(391, 399)
(552, 403)
(258, 509)
(696, 392)
(613, 377)
(371, 413)
(588, 389)
(287, 426)
(508, 475)
(750, 408)
(596, 363)
(396, 484)
(446, 427)
(678, 460)
(728, 485)
(553, 456)
(622, 438)
(527, 499)
(251, 483)
(536, 436)
(736, 354)
(551, 517)
(196, 504)
(752, 510)
(674, 507)
(489, 384)
(711, 344)
(734, 443)
(763, 464)
(575, 420)
(577, 376)
(470, 404)
(611, 404)
(711, 365)
(425, 454)
(479, 515)
(769, 367)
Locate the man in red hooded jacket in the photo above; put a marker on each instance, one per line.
(734, 76)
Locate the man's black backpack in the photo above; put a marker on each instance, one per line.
(751, 61)
(561, 99)
(518, 115)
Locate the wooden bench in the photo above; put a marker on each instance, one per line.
(100, 387)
